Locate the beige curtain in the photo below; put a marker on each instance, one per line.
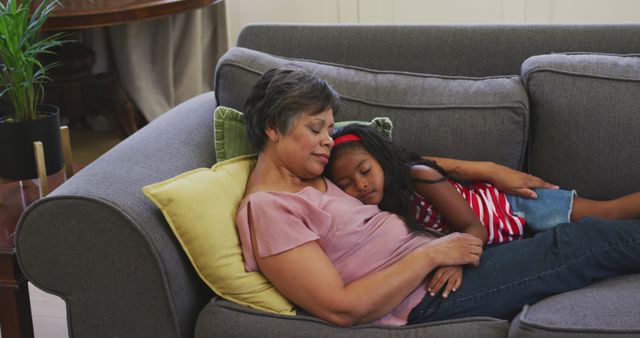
(164, 61)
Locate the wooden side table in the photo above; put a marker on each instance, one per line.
(78, 14)
(15, 307)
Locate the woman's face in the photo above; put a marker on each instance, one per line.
(306, 147)
(360, 175)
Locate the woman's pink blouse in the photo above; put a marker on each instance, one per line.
(359, 239)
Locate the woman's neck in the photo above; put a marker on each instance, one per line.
(270, 175)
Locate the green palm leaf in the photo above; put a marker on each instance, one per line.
(22, 74)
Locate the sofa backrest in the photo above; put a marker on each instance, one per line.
(442, 116)
(465, 50)
(599, 157)
(585, 121)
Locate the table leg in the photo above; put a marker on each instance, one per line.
(15, 314)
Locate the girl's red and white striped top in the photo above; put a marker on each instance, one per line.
(488, 203)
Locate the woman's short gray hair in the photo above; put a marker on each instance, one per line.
(280, 96)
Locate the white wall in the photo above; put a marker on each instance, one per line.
(242, 12)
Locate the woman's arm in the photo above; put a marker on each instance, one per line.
(448, 201)
(306, 276)
(504, 178)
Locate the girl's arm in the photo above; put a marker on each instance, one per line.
(306, 276)
(444, 197)
(504, 178)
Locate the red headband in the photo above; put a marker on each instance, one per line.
(346, 138)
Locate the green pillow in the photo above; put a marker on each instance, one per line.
(230, 132)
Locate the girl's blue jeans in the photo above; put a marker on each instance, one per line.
(567, 257)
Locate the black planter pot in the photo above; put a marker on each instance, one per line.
(17, 161)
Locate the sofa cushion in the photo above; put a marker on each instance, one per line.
(200, 207)
(226, 319)
(604, 309)
(231, 139)
(585, 113)
(432, 111)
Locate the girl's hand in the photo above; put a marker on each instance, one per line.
(516, 182)
(511, 181)
(449, 277)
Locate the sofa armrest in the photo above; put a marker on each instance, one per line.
(98, 243)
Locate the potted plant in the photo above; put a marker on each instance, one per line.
(22, 75)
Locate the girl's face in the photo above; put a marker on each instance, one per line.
(359, 174)
(304, 150)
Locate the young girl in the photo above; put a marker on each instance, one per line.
(376, 171)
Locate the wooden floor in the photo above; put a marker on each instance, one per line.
(49, 311)
(49, 314)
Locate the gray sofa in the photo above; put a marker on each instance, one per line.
(493, 93)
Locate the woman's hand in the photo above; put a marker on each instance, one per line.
(455, 249)
(516, 182)
(449, 277)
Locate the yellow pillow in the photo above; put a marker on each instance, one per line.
(200, 206)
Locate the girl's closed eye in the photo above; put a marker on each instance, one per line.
(344, 185)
